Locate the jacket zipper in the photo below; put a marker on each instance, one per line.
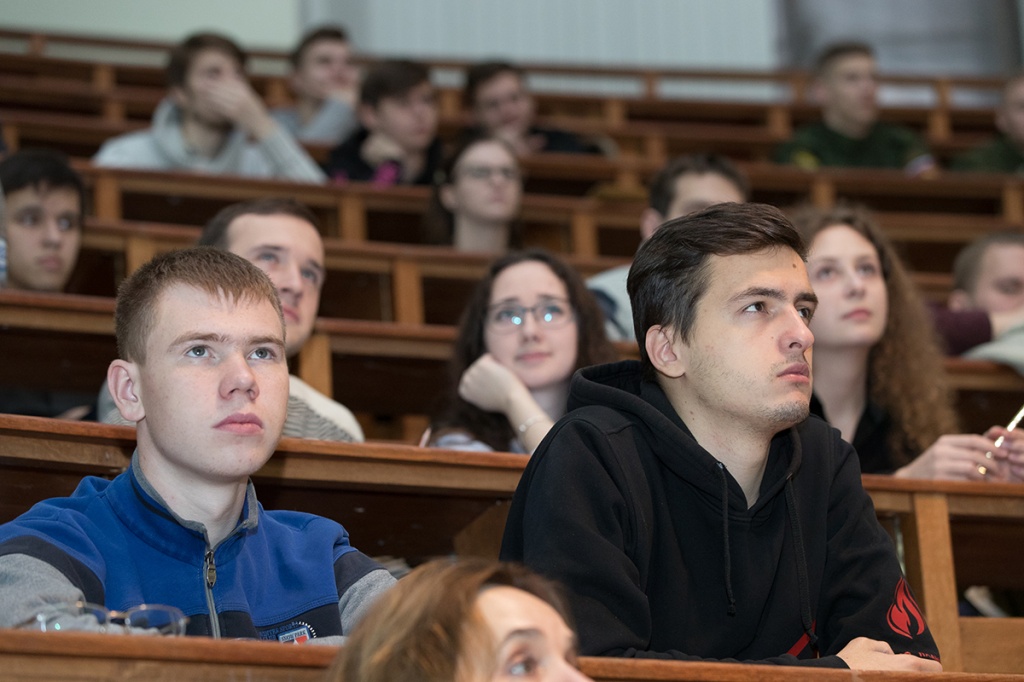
(209, 580)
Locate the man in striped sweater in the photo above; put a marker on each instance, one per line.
(280, 236)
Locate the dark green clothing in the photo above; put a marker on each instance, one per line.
(997, 156)
(886, 146)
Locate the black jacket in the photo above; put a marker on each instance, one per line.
(346, 163)
(661, 558)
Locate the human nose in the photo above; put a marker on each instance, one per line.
(797, 334)
(238, 377)
(289, 278)
(52, 233)
(854, 283)
(530, 327)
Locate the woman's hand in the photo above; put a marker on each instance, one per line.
(962, 457)
(490, 385)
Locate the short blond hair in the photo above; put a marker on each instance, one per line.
(216, 272)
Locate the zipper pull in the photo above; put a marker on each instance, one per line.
(210, 568)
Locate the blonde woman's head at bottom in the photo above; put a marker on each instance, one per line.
(463, 621)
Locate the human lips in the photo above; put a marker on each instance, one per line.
(51, 263)
(532, 357)
(858, 314)
(798, 371)
(291, 314)
(241, 423)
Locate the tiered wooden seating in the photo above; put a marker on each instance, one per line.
(38, 655)
(415, 502)
(361, 363)
(941, 214)
(652, 125)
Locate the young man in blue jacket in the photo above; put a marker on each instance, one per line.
(687, 502)
(203, 373)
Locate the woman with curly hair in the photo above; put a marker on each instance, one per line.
(463, 621)
(878, 373)
(529, 324)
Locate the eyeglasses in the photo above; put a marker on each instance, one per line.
(505, 318)
(145, 619)
(486, 172)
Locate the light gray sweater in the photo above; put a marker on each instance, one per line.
(162, 147)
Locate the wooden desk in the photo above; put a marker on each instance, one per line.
(395, 500)
(83, 656)
(415, 502)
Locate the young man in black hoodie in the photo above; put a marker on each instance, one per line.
(687, 502)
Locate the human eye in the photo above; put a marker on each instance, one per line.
(553, 312)
(68, 223)
(507, 316)
(29, 218)
(198, 352)
(806, 312)
(312, 275)
(264, 353)
(267, 257)
(757, 307)
(523, 666)
(1010, 287)
(868, 268)
(824, 272)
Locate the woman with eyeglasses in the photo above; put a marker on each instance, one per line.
(476, 198)
(530, 323)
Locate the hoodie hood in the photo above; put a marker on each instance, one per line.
(620, 386)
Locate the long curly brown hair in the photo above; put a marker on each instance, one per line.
(592, 347)
(905, 371)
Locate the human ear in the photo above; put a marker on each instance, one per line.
(178, 96)
(447, 197)
(368, 117)
(650, 221)
(122, 382)
(959, 300)
(668, 352)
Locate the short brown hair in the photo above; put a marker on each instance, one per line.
(967, 266)
(663, 184)
(671, 271)
(333, 33)
(478, 74)
(183, 53)
(216, 272)
(392, 78)
(423, 628)
(215, 232)
(836, 51)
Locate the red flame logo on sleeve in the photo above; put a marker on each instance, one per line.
(904, 615)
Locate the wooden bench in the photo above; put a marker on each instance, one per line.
(358, 362)
(40, 655)
(417, 502)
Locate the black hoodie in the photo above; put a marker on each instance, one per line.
(661, 557)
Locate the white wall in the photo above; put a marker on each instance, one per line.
(254, 23)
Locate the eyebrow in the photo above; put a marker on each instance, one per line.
(193, 336)
(515, 300)
(775, 294)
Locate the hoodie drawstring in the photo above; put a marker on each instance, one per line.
(725, 540)
(801, 566)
